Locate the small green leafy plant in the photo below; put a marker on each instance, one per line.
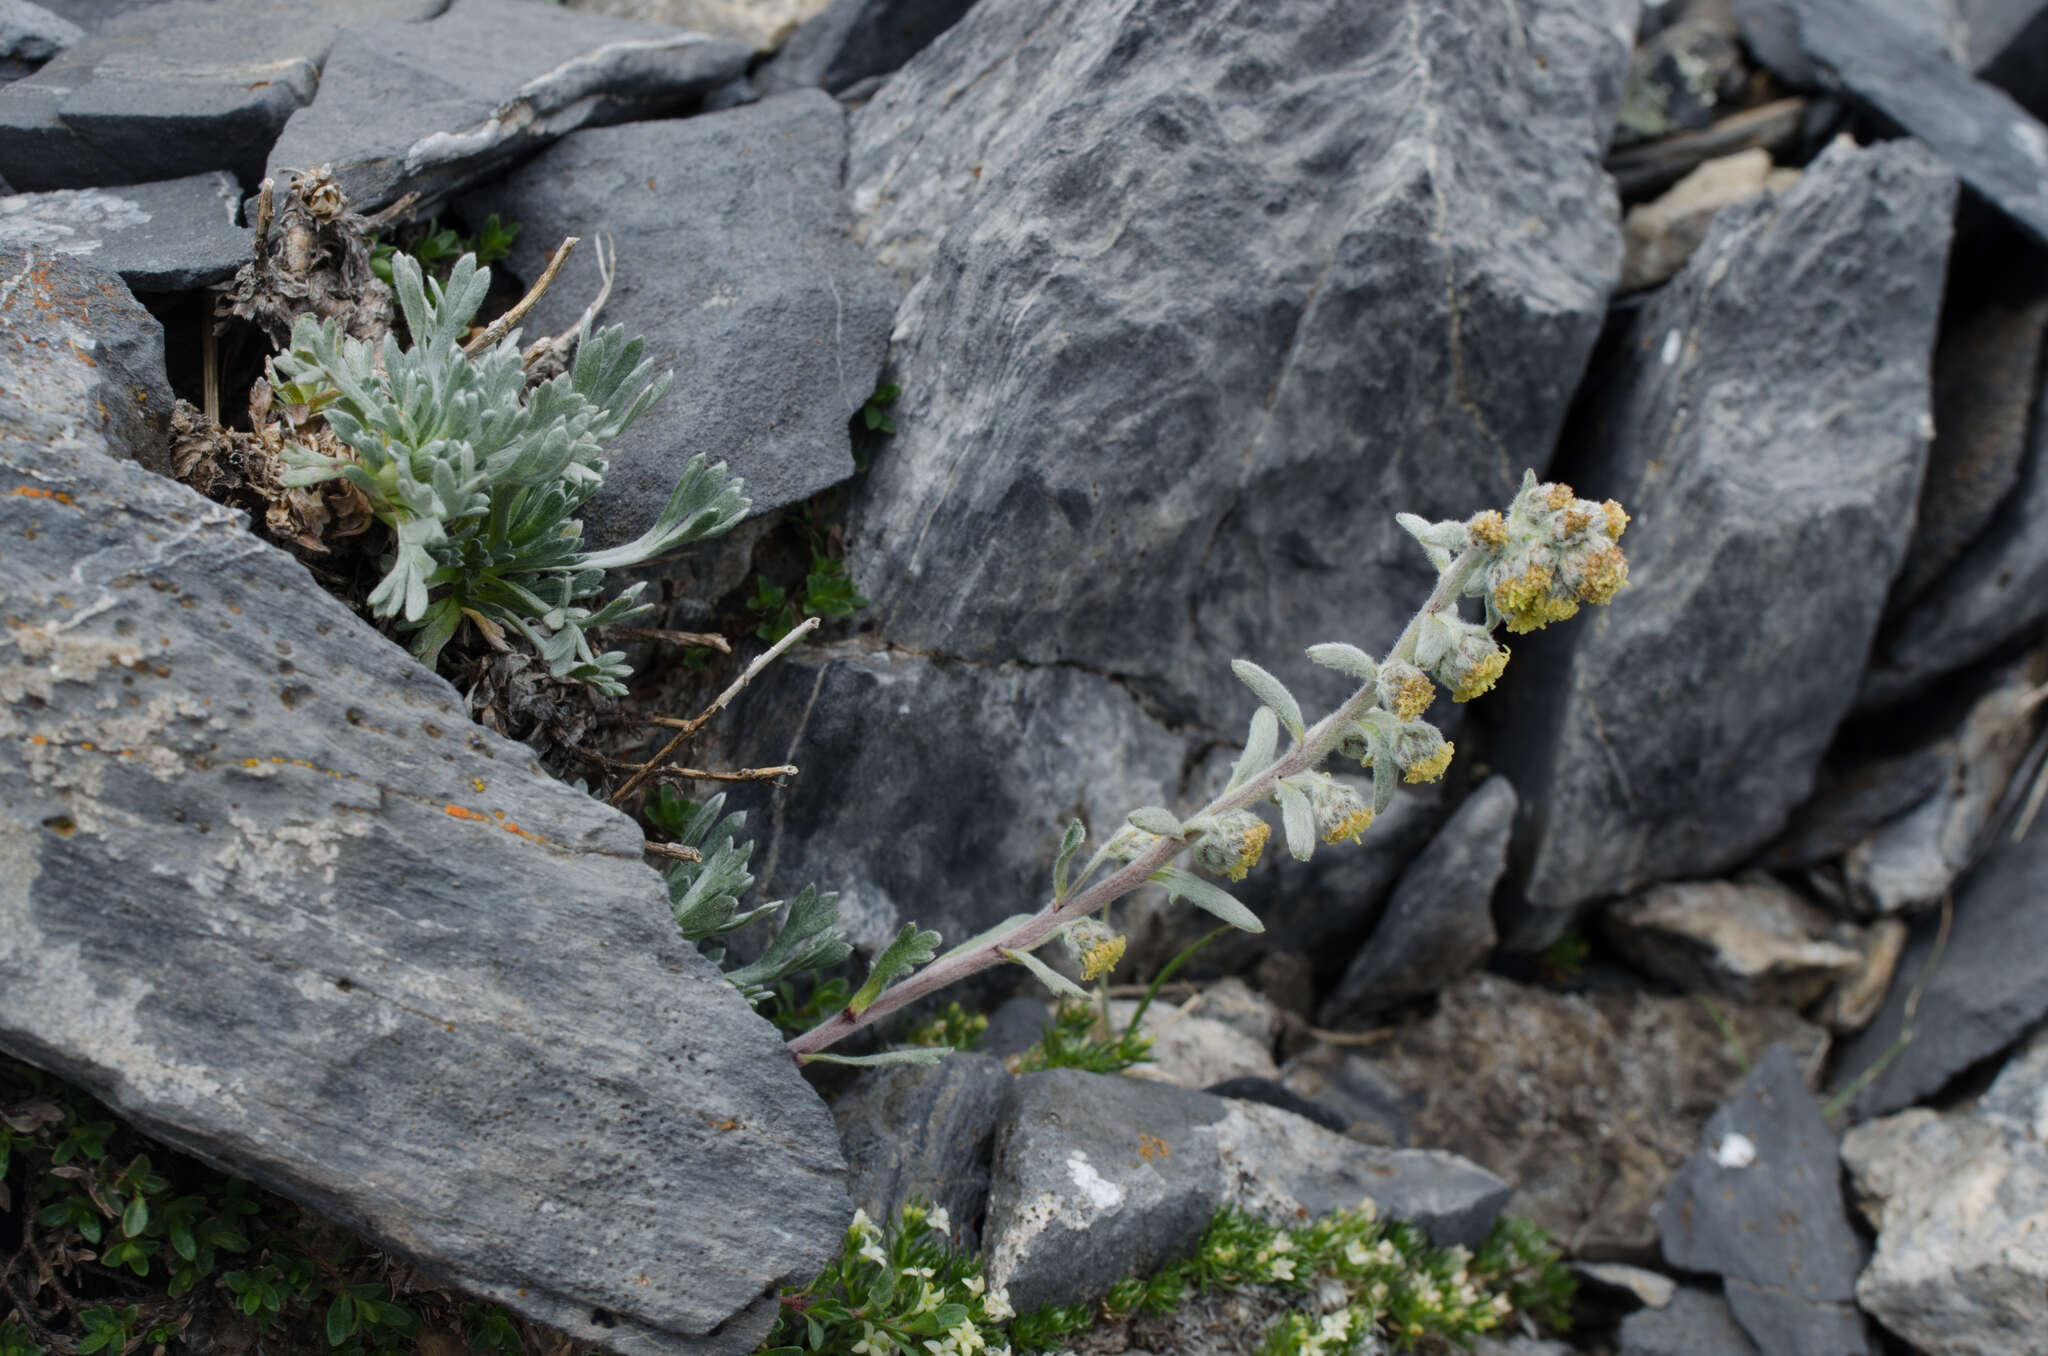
(437, 247)
(955, 1028)
(1071, 1041)
(479, 479)
(1536, 563)
(874, 412)
(828, 590)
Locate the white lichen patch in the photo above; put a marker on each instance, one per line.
(1098, 1190)
(68, 221)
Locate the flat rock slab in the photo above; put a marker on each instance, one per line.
(1695, 1323)
(1998, 147)
(1961, 1267)
(1760, 1204)
(1767, 410)
(736, 262)
(854, 40)
(162, 91)
(1438, 925)
(1200, 304)
(1588, 1104)
(1751, 940)
(271, 896)
(1097, 1177)
(1989, 989)
(433, 108)
(167, 237)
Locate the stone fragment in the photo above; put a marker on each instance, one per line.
(852, 40)
(1989, 987)
(1130, 364)
(1850, 803)
(1683, 75)
(1015, 1026)
(271, 897)
(1270, 1092)
(937, 792)
(163, 91)
(1439, 923)
(1986, 370)
(1695, 1323)
(929, 1133)
(734, 262)
(1857, 998)
(1760, 1204)
(167, 237)
(1098, 1176)
(1649, 1289)
(763, 25)
(1751, 940)
(1907, 74)
(1659, 741)
(1365, 1103)
(113, 394)
(1660, 236)
(433, 108)
(1650, 167)
(1959, 1200)
(1911, 863)
(1588, 1104)
(1191, 1051)
(31, 33)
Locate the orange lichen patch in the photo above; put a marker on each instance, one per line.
(477, 782)
(458, 812)
(496, 818)
(37, 492)
(1152, 1148)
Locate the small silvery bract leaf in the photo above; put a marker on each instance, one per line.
(1259, 743)
(1432, 638)
(1441, 540)
(1233, 846)
(1346, 659)
(1209, 898)
(1404, 689)
(1046, 975)
(911, 948)
(1156, 820)
(1272, 692)
(1095, 946)
(1070, 843)
(1297, 820)
(1128, 842)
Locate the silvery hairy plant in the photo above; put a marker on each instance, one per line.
(480, 478)
(1535, 564)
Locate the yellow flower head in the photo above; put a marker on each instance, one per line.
(1529, 602)
(1602, 574)
(1100, 959)
(1576, 520)
(1341, 814)
(1432, 767)
(1617, 519)
(1233, 847)
(1094, 946)
(1481, 677)
(1559, 496)
(1404, 689)
(1489, 529)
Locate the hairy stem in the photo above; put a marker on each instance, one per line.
(1309, 752)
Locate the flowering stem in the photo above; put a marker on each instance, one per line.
(1307, 753)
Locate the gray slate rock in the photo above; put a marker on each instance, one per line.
(937, 792)
(31, 33)
(433, 108)
(1657, 740)
(1995, 592)
(1990, 988)
(1997, 146)
(1155, 248)
(1752, 940)
(239, 907)
(1961, 1267)
(924, 1132)
(1014, 1027)
(1986, 369)
(163, 91)
(855, 40)
(735, 262)
(1695, 1323)
(1850, 803)
(168, 237)
(1761, 1205)
(121, 380)
(1098, 1176)
(1439, 923)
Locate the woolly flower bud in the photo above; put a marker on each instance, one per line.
(1488, 529)
(1421, 752)
(1404, 689)
(1615, 519)
(1094, 947)
(1341, 813)
(1130, 842)
(1233, 846)
(1463, 656)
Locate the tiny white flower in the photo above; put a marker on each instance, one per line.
(940, 1220)
(997, 1305)
(862, 1224)
(1281, 1268)
(974, 1285)
(872, 1251)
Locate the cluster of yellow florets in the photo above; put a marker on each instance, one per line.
(1341, 813)
(1432, 767)
(1233, 847)
(1481, 677)
(1559, 553)
(1404, 689)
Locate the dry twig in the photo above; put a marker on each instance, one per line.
(705, 638)
(674, 851)
(504, 324)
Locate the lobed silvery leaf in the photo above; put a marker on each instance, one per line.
(1210, 898)
(911, 948)
(1051, 978)
(1297, 820)
(805, 941)
(1346, 659)
(1272, 692)
(1070, 843)
(1259, 745)
(1154, 819)
(703, 504)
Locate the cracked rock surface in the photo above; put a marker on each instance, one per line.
(263, 885)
